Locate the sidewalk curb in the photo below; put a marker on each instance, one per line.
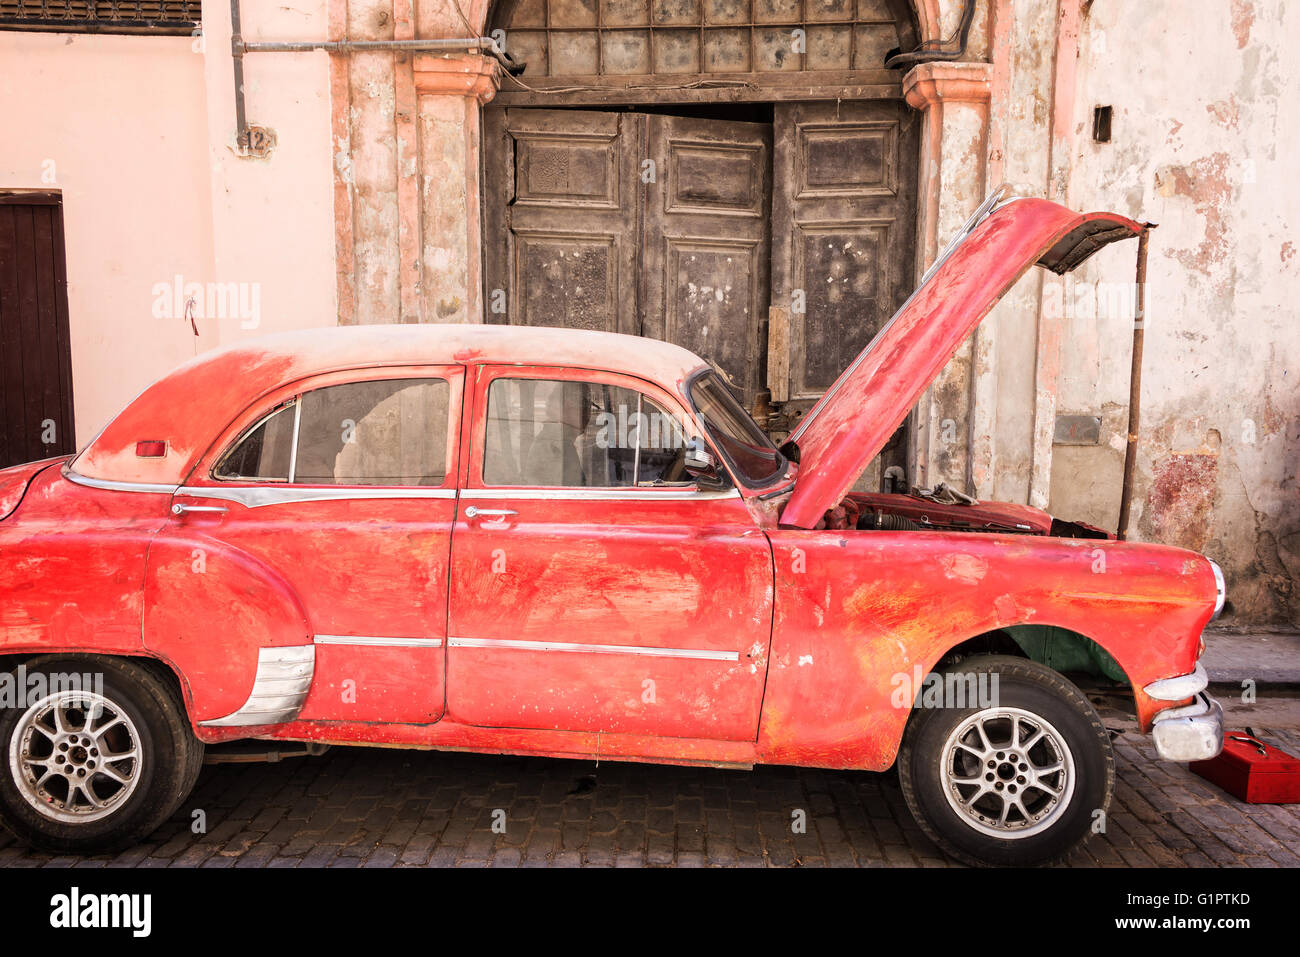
(1268, 657)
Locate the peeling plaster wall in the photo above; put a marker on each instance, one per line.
(1205, 133)
(1025, 35)
(408, 164)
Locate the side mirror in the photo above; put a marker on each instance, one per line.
(702, 465)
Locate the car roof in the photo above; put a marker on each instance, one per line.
(189, 407)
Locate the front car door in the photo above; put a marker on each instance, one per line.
(594, 586)
(341, 490)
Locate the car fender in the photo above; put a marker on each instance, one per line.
(861, 617)
(209, 610)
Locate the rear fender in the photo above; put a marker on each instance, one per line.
(209, 610)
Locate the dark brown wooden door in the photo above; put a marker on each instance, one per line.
(35, 356)
(843, 239)
(646, 224)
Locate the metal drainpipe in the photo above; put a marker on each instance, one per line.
(1135, 385)
(238, 47)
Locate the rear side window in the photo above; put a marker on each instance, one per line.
(384, 432)
(264, 452)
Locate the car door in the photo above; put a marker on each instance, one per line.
(594, 586)
(339, 490)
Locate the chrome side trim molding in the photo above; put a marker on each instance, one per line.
(704, 654)
(602, 494)
(375, 640)
(260, 496)
(1180, 686)
(279, 689)
(112, 486)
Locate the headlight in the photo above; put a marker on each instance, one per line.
(1221, 587)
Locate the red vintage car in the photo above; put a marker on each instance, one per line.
(578, 544)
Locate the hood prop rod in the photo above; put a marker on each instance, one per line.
(1134, 385)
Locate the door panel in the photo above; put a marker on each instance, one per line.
(560, 216)
(843, 235)
(705, 242)
(645, 224)
(604, 609)
(368, 563)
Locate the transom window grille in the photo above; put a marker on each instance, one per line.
(642, 37)
(102, 16)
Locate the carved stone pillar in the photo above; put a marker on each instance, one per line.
(450, 90)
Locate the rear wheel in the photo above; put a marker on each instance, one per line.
(96, 766)
(1016, 780)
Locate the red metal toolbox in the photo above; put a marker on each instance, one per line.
(1253, 771)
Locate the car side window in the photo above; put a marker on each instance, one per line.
(381, 432)
(559, 433)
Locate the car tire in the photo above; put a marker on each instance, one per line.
(72, 782)
(960, 765)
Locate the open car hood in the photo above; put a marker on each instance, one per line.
(852, 422)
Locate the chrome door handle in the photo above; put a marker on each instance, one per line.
(179, 509)
(474, 511)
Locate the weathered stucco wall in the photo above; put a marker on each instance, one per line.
(1204, 137)
(1200, 143)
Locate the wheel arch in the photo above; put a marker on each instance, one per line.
(163, 670)
(1064, 650)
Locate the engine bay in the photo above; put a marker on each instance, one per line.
(943, 509)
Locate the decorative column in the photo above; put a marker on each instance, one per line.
(450, 91)
(950, 431)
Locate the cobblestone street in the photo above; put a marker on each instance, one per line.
(384, 808)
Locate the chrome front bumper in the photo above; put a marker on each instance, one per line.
(1193, 732)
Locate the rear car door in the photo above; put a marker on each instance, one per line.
(340, 490)
(594, 586)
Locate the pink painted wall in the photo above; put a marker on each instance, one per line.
(135, 132)
(117, 124)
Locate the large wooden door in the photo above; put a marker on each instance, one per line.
(35, 355)
(843, 240)
(638, 223)
(776, 251)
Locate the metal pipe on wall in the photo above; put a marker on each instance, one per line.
(239, 47)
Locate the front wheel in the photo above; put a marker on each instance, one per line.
(95, 755)
(1017, 777)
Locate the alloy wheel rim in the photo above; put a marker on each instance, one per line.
(75, 756)
(1007, 772)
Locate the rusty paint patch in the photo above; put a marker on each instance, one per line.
(1182, 494)
(1243, 18)
(1208, 184)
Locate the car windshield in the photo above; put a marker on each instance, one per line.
(747, 448)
